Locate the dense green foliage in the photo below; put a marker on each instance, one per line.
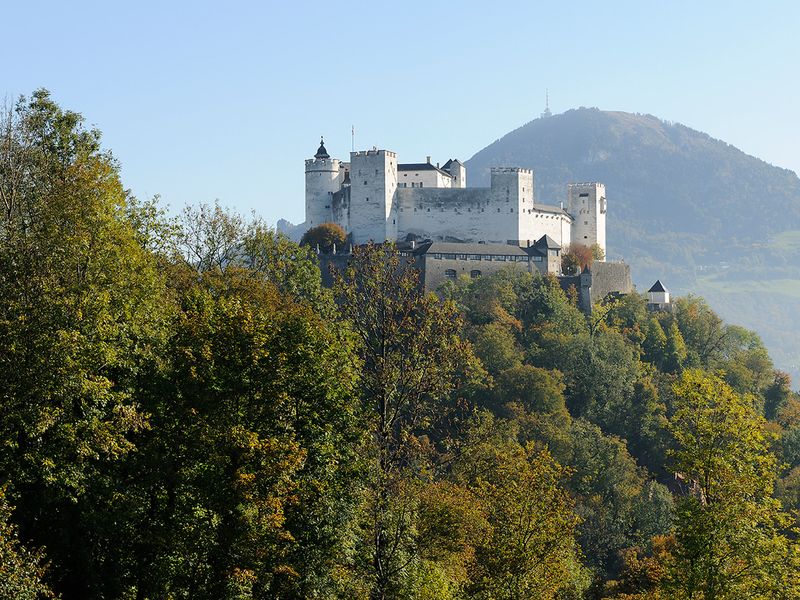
(185, 412)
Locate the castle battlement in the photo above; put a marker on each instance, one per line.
(511, 170)
(374, 152)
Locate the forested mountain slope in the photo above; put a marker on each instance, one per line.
(694, 211)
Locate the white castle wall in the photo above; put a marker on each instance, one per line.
(425, 177)
(470, 214)
(373, 207)
(373, 183)
(323, 179)
(587, 204)
(536, 222)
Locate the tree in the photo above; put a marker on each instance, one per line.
(576, 257)
(324, 237)
(411, 358)
(674, 350)
(529, 550)
(247, 479)
(777, 395)
(537, 390)
(83, 309)
(655, 342)
(496, 347)
(22, 572)
(733, 539)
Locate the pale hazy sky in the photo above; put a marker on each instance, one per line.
(204, 100)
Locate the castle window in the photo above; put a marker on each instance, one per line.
(437, 255)
(536, 258)
(450, 273)
(365, 183)
(377, 172)
(327, 206)
(586, 222)
(420, 184)
(474, 273)
(584, 195)
(367, 198)
(512, 210)
(498, 210)
(429, 210)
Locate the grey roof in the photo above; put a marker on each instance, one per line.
(421, 167)
(658, 287)
(321, 152)
(428, 247)
(471, 248)
(446, 166)
(550, 208)
(547, 242)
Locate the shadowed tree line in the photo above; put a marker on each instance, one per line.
(186, 412)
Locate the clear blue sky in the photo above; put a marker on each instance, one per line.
(204, 100)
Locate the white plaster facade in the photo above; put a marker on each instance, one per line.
(374, 198)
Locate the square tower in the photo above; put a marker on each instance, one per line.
(511, 197)
(587, 205)
(373, 184)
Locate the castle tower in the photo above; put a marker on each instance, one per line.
(459, 172)
(323, 178)
(512, 197)
(586, 202)
(373, 185)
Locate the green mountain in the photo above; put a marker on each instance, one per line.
(694, 211)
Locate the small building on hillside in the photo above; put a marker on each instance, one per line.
(658, 297)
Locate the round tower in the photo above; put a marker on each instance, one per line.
(323, 179)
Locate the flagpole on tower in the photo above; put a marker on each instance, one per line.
(352, 138)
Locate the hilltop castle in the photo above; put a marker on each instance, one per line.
(374, 197)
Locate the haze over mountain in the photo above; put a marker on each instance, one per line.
(692, 210)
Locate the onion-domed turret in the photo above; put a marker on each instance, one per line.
(322, 153)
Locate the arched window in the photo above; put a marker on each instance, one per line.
(450, 273)
(474, 273)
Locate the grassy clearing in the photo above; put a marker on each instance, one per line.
(785, 287)
(786, 241)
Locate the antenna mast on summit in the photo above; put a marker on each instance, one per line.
(546, 112)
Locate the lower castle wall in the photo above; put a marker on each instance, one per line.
(434, 269)
(467, 214)
(610, 277)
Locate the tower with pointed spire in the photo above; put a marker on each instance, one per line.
(324, 177)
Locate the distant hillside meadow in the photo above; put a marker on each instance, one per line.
(698, 213)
